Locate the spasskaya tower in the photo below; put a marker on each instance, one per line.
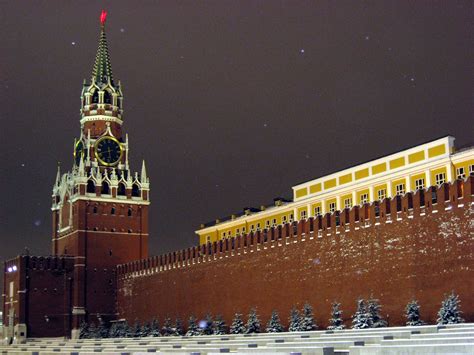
(100, 207)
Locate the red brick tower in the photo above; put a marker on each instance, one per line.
(100, 208)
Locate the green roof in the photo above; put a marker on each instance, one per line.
(102, 70)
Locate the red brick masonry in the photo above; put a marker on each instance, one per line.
(397, 250)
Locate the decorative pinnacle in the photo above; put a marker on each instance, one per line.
(103, 17)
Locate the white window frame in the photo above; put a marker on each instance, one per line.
(252, 227)
(303, 214)
(291, 218)
(460, 173)
(284, 220)
(348, 203)
(332, 207)
(381, 194)
(400, 189)
(440, 178)
(274, 222)
(364, 198)
(471, 169)
(317, 211)
(258, 227)
(419, 184)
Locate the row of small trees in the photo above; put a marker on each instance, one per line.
(367, 315)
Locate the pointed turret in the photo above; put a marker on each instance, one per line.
(102, 71)
(143, 177)
(58, 176)
(82, 170)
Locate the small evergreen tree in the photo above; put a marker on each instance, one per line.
(137, 330)
(219, 326)
(274, 324)
(155, 328)
(361, 319)
(307, 319)
(336, 322)
(178, 329)
(127, 330)
(412, 314)
(114, 330)
(294, 320)
(167, 329)
(253, 323)
(146, 330)
(102, 330)
(193, 328)
(237, 326)
(207, 330)
(373, 309)
(92, 331)
(450, 312)
(83, 330)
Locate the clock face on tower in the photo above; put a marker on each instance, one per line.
(108, 151)
(78, 152)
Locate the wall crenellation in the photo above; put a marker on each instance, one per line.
(434, 199)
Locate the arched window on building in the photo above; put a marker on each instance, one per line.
(130, 212)
(90, 186)
(95, 97)
(105, 188)
(121, 189)
(107, 97)
(135, 190)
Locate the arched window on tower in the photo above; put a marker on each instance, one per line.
(105, 188)
(107, 97)
(135, 190)
(95, 97)
(121, 189)
(90, 186)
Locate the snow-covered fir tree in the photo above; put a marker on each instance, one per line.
(412, 313)
(237, 326)
(219, 326)
(146, 330)
(193, 327)
(137, 330)
(294, 324)
(92, 334)
(307, 319)
(83, 330)
(253, 323)
(274, 324)
(450, 311)
(102, 330)
(336, 322)
(113, 330)
(155, 328)
(373, 309)
(127, 330)
(361, 319)
(167, 329)
(178, 327)
(207, 330)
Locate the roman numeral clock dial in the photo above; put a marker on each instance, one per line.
(108, 151)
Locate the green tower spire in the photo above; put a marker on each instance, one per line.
(102, 71)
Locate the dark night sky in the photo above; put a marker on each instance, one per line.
(230, 102)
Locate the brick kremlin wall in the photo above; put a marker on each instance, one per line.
(416, 246)
(42, 295)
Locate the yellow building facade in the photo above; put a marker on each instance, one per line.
(429, 164)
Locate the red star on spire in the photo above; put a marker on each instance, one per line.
(103, 16)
